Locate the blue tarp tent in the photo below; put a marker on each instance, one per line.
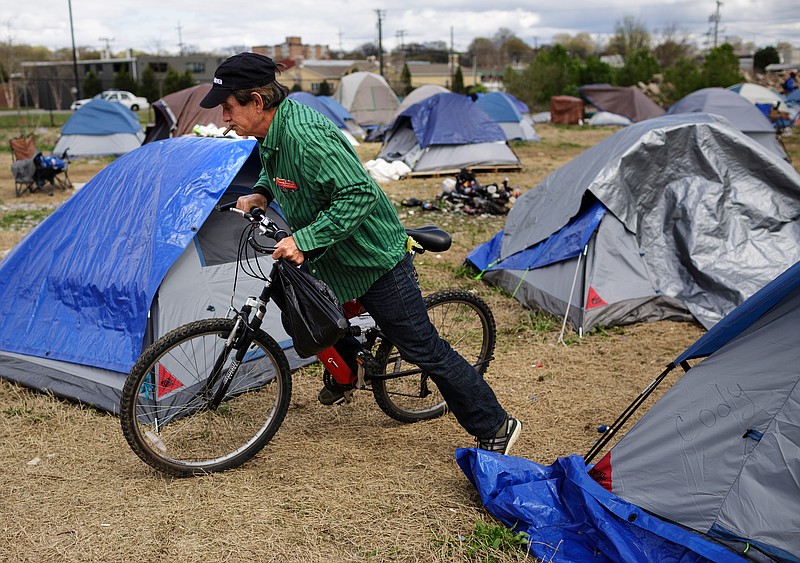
(444, 132)
(133, 254)
(100, 128)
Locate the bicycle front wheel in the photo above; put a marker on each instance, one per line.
(464, 321)
(174, 414)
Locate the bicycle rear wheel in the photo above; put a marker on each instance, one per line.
(464, 321)
(167, 413)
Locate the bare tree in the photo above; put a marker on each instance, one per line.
(581, 45)
(631, 35)
(674, 44)
(9, 67)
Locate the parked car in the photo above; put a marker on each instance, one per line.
(134, 103)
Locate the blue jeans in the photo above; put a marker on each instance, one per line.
(395, 303)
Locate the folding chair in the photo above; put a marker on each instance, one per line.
(23, 149)
(33, 171)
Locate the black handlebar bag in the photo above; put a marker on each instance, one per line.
(310, 311)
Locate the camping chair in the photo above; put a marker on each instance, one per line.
(23, 149)
(33, 171)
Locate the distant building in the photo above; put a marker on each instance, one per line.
(790, 56)
(308, 76)
(292, 50)
(440, 74)
(51, 85)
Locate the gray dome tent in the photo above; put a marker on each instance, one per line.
(737, 109)
(676, 217)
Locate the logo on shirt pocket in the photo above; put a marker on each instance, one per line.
(286, 186)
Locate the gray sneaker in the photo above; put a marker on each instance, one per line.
(502, 441)
(328, 396)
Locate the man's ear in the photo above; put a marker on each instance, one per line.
(259, 101)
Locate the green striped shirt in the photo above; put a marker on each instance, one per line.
(330, 201)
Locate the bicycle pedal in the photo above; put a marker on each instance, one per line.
(368, 362)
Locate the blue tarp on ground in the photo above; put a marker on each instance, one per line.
(451, 119)
(569, 517)
(91, 298)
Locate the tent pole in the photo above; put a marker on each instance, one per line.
(625, 415)
(569, 299)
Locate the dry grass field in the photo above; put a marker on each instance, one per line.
(337, 483)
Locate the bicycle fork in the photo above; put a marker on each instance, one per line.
(239, 339)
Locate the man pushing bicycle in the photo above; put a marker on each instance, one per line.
(346, 231)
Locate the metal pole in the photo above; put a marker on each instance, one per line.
(380, 41)
(74, 55)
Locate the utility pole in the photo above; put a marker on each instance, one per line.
(180, 39)
(74, 54)
(400, 35)
(107, 52)
(381, 15)
(452, 65)
(715, 17)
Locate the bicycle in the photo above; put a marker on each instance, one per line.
(209, 395)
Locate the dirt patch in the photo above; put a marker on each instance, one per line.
(337, 483)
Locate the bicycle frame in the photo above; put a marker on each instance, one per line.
(330, 357)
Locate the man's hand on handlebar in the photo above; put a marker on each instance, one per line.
(287, 249)
(247, 202)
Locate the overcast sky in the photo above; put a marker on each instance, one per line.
(232, 25)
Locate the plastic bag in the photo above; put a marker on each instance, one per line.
(310, 311)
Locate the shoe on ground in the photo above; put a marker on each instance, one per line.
(331, 397)
(502, 441)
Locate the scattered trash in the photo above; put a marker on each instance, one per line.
(467, 195)
(35, 461)
(602, 428)
(538, 365)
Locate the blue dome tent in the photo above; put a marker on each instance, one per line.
(447, 132)
(135, 253)
(100, 128)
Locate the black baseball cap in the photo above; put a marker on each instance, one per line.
(239, 72)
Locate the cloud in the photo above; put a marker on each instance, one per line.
(150, 26)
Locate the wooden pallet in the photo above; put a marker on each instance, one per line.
(473, 169)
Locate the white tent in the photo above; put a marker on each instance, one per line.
(368, 98)
(761, 95)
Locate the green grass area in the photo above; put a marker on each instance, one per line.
(23, 220)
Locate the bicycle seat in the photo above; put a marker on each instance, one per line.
(431, 238)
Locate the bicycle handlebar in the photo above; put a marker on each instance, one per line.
(265, 225)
